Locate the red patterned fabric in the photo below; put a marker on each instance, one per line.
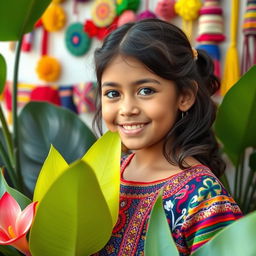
(196, 204)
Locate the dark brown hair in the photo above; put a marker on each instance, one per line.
(165, 50)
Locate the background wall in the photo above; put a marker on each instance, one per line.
(81, 69)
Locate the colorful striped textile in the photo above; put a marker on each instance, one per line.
(196, 204)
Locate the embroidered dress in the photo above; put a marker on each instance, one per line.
(196, 204)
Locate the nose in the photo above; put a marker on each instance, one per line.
(129, 107)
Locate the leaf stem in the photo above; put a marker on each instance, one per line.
(15, 116)
(7, 135)
(246, 190)
(8, 165)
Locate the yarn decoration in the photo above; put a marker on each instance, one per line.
(123, 5)
(147, 14)
(77, 41)
(165, 9)
(54, 18)
(66, 97)
(48, 69)
(46, 93)
(231, 72)
(103, 12)
(125, 17)
(210, 31)
(84, 97)
(189, 11)
(100, 33)
(249, 31)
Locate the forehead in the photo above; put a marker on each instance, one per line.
(125, 66)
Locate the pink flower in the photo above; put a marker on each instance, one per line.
(14, 223)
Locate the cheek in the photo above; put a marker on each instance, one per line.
(108, 116)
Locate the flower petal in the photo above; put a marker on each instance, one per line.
(9, 211)
(25, 219)
(3, 236)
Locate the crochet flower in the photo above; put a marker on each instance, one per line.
(48, 69)
(54, 18)
(14, 223)
(103, 12)
(188, 9)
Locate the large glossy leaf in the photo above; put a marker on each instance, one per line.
(42, 124)
(237, 239)
(6, 250)
(104, 158)
(19, 197)
(236, 119)
(159, 241)
(53, 167)
(73, 218)
(18, 17)
(2, 73)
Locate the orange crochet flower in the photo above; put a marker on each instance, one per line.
(54, 18)
(48, 69)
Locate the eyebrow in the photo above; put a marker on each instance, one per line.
(138, 82)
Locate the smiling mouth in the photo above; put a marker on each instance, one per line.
(132, 129)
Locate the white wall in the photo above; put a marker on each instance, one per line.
(80, 69)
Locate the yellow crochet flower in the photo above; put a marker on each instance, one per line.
(188, 9)
(103, 12)
(48, 69)
(54, 18)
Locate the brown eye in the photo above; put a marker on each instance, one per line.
(112, 94)
(146, 91)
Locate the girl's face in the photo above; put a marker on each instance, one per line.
(137, 103)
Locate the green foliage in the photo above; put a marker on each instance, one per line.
(104, 158)
(18, 17)
(19, 197)
(235, 124)
(159, 241)
(53, 167)
(43, 124)
(2, 73)
(73, 218)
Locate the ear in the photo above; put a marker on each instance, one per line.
(187, 98)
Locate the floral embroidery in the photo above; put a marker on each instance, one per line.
(210, 189)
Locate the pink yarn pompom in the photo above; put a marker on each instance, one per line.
(125, 17)
(146, 15)
(165, 9)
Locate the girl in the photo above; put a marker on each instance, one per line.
(155, 92)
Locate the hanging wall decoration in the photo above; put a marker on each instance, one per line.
(249, 32)
(77, 41)
(210, 31)
(123, 5)
(125, 17)
(165, 9)
(54, 18)
(231, 72)
(147, 14)
(189, 11)
(103, 12)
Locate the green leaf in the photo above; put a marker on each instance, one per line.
(104, 158)
(252, 160)
(73, 218)
(53, 167)
(235, 124)
(159, 241)
(8, 251)
(2, 73)
(236, 239)
(42, 124)
(22, 200)
(18, 17)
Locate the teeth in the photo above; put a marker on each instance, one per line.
(133, 127)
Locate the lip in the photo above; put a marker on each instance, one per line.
(132, 130)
